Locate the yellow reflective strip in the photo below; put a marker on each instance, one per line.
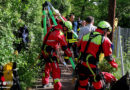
(76, 60)
(79, 55)
(101, 57)
(43, 74)
(66, 57)
(56, 80)
(78, 29)
(72, 40)
(61, 33)
(97, 40)
(90, 67)
(86, 37)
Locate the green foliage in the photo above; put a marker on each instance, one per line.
(99, 10)
(64, 6)
(105, 66)
(84, 8)
(118, 74)
(126, 62)
(123, 12)
(14, 14)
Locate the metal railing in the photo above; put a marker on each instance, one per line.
(121, 43)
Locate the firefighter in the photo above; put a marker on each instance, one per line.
(52, 39)
(71, 39)
(92, 44)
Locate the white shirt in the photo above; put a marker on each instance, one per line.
(85, 30)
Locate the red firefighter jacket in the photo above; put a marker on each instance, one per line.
(95, 43)
(55, 38)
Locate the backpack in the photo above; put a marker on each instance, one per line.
(9, 76)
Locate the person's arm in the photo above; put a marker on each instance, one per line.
(75, 27)
(84, 30)
(63, 43)
(80, 34)
(79, 45)
(67, 51)
(93, 28)
(108, 52)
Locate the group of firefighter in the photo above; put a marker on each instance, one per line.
(87, 48)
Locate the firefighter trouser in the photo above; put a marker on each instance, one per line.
(86, 77)
(54, 68)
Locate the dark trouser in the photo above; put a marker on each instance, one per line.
(75, 51)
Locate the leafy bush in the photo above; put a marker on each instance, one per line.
(14, 14)
(105, 66)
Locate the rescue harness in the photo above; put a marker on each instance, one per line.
(84, 57)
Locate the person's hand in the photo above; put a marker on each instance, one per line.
(57, 13)
(64, 63)
(114, 64)
(43, 16)
(73, 80)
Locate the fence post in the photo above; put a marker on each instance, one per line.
(122, 65)
(117, 43)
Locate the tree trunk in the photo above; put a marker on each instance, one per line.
(111, 16)
(83, 9)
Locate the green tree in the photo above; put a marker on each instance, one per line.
(99, 10)
(123, 12)
(84, 8)
(64, 6)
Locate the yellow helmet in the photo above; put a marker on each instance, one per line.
(68, 24)
(104, 25)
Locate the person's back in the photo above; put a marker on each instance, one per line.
(52, 41)
(55, 38)
(88, 28)
(93, 45)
